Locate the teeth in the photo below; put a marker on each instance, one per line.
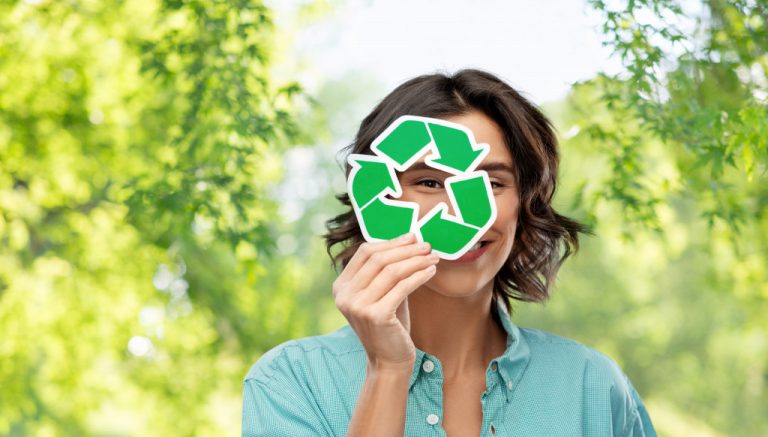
(475, 247)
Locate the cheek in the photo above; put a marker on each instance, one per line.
(507, 208)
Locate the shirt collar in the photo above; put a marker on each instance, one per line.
(511, 364)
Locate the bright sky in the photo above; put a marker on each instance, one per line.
(539, 47)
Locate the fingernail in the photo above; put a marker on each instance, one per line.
(405, 237)
(433, 256)
(422, 246)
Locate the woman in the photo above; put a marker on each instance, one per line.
(430, 349)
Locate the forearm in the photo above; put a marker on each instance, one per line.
(381, 405)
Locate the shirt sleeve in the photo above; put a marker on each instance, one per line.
(270, 409)
(641, 424)
(609, 388)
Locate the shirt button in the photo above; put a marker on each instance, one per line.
(493, 367)
(428, 366)
(509, 385)
(432, 419)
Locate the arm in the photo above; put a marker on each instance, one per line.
(380, 408)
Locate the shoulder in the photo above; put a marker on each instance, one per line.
(605, 388)
(300, 355)
(298, 386)
(552, 347)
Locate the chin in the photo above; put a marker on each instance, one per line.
(451, 282)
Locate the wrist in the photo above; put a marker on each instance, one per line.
(391, 370)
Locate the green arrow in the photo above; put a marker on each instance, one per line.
(446, 236)
(454, 146)
(404, 141)
(372, 178)
(472, 199)
(385, 221)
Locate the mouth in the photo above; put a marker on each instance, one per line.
(479, 244)
(475, 252)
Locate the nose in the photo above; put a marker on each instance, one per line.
(437, 200)
(448, 202)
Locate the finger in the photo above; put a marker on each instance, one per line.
(391, 300)
(382, 259)
(393, 273)
(365, 250)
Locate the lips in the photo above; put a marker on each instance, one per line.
(475, 252)
(477, 245)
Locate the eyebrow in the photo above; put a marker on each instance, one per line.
(490, 166)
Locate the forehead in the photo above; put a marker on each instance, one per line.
(485, 130)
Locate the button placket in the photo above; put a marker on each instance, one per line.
(430, 367)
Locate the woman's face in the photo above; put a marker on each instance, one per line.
(426, 187)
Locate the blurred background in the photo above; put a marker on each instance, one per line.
(167, 167)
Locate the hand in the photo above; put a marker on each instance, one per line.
(372, 293)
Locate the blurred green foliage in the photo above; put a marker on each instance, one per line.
(668, 157)
(695, 80)
(138, 141)
(145, 261)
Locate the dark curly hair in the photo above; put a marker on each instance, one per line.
(535, 256)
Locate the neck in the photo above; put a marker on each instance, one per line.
(460, 331)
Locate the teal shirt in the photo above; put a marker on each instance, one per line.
(542, 386)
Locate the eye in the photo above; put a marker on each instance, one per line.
(432, 183)
(427, 182)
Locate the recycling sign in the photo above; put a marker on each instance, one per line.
(453, 150)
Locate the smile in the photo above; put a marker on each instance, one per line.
(476, 252)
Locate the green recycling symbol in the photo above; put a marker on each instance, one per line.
(453, 150)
